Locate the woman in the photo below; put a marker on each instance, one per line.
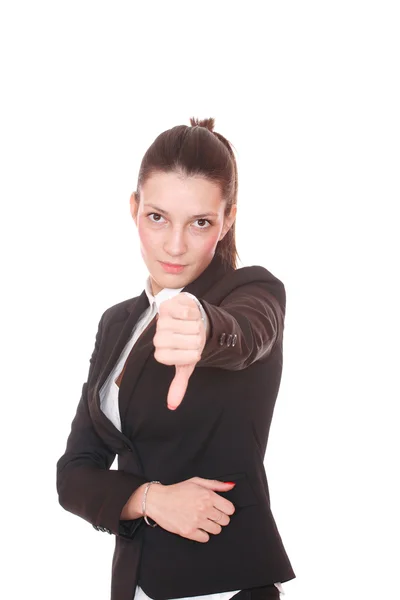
(182, 386)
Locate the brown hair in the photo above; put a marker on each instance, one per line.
(197, 150)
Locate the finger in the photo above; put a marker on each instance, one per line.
(199, 536)
(168, 323)
(211, 527)
(177, 341)
(214, 484)
(179, 311)
(220, 503)
(224, 505)
(179, 358)
(219, 517)
(178, 386)
(187, 313)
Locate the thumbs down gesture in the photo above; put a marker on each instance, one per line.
(181, 334)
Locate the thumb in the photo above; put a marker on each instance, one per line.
(215, 484)
(179, 384)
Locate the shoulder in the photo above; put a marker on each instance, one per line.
(256, 273)
(253, 278)
(118, 311)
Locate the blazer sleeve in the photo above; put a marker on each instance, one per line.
(246, 326)
(86, 485)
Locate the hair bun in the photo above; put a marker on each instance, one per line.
(207, 123)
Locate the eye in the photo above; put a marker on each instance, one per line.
(204, 221)
(157, 215)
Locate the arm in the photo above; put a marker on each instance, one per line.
(245, 327)
(85, 484)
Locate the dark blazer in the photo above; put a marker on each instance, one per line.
(219, 431)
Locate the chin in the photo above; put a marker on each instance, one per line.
(170, 280)
(174, 281)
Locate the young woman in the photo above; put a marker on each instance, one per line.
(182, 386)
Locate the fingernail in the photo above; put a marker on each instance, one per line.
(230, 482)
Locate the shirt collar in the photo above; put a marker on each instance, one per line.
(164, 294)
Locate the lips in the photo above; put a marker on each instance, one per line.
(172, 268)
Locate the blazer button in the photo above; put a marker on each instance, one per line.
(222, 339)
(229, 339)
(96, 527)
(234, 339)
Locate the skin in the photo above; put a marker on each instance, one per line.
(170, 232)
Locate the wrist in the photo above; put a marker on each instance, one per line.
(203, 314)
(133, 507)
(153, 500)
(208, 328)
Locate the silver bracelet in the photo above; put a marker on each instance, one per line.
(144, 503)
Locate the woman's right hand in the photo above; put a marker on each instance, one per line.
(190, 508)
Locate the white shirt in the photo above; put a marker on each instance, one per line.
(110, 405)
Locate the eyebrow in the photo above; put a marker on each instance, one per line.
(164, 212)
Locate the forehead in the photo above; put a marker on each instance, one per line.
(177, 191)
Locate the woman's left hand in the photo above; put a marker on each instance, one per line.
(179, 340)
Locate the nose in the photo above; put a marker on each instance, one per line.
(175, 244)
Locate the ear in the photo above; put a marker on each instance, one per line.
(228, 222)
(134, 206)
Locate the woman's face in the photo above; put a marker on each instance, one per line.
(179, 221)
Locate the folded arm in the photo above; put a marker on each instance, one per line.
(86, 485)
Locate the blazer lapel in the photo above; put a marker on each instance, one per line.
(130, 317)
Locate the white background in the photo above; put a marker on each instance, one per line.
(308, 93)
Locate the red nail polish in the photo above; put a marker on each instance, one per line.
(230, 482)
